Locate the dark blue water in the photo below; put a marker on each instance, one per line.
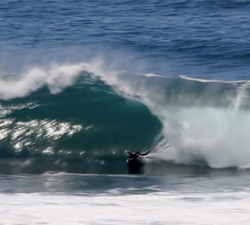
(195, 38)
(78, 83)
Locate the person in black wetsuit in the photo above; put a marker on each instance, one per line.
(134, 164)
(134, 156)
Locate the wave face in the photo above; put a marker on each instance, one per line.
(68, 113)
(81, 118)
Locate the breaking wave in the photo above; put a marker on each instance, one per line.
(84, 115)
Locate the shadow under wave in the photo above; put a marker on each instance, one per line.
(110, 166)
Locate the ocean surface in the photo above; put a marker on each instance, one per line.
(83, 81)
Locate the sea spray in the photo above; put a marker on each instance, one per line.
(203, 121)
(56, 78)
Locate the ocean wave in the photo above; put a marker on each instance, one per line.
(84, 112)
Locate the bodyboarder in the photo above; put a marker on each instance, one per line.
(134, 161)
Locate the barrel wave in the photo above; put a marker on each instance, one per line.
(81, 118)
(70, 123)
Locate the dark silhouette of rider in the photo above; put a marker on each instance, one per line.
(134, 163)
(134, 156)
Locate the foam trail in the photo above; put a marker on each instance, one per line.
(242, 96)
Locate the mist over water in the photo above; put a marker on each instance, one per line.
(204, 122)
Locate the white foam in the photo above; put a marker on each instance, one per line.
(56, 78)
(158, 208)
(212, 81)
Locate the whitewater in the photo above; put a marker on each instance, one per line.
(81, 82)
